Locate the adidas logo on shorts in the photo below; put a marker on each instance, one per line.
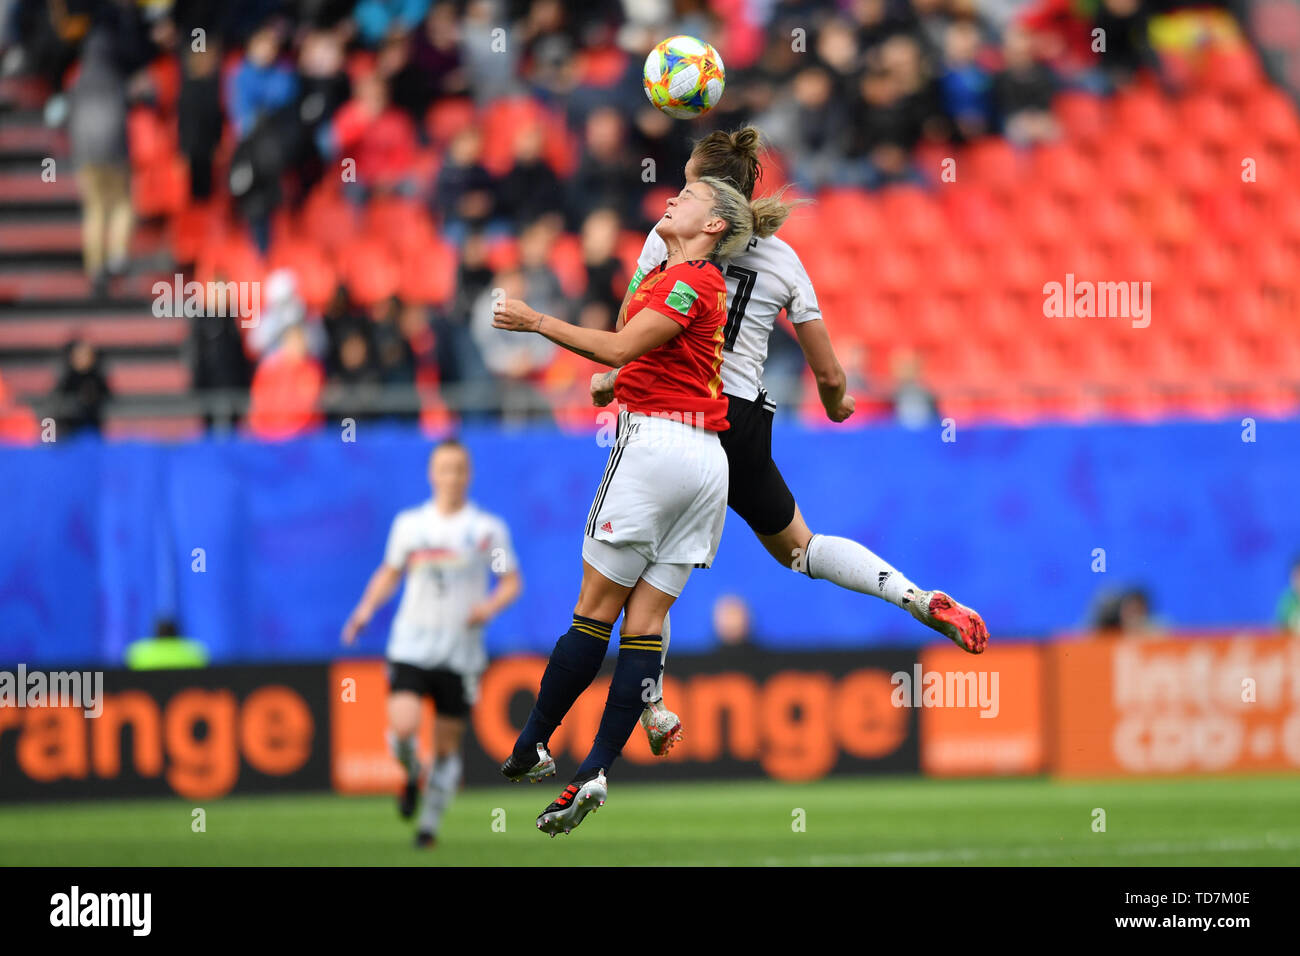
(607, 528)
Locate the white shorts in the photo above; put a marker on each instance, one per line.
(663, 501)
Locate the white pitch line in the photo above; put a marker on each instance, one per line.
(1063, 853)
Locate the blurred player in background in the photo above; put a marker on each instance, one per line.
(446, 549)
(764, 277)
(660, 508)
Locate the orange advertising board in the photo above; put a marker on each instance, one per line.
(1186, 706)
(786, 716)
(998, 727)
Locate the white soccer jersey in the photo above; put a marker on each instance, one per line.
(761, 281)
(446, 559)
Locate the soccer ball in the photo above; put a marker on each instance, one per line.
(684, 77)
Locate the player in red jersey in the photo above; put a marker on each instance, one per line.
(661, 504)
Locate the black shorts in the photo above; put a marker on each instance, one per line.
(756, 490)
(452, 693)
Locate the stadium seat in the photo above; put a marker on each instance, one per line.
(368, 269)
(447, 117)
(428, 273)
(316, 277)
(1084, 117)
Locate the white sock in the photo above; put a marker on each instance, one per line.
(403, 749)
(663, 659)
(444, 778)
(852, 566)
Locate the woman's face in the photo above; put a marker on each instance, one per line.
(690, 213)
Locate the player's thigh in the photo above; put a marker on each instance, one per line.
(756, 489)
(404, 712)
(788, 545)
(648, 604)
(608, 575)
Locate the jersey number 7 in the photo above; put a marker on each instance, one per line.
(745, 279)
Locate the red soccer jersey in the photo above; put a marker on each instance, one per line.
(681, 379)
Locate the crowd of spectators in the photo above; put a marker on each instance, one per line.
(844, 91)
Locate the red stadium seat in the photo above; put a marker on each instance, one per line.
(1272, 116)
(1084, 116)
(316, 277)
(428, 273)
(447, 117)
(567, 262)
(231, 257)
(1071, 172)
(992, 162)
(1209, 119)
(1144, 114)
(369, 270)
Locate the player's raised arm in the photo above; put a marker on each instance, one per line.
(831, 381)
(379, 590)
(608, 348)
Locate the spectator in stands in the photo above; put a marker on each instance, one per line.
(286, 390)
(393, 355)
(323, 89)
(540, 282)
(966, 86)
(261, 96)
(464, 197)
(808, 128)
(97, 133)
(1128, 48)
(530, 189)
(283, 309)
(355, 386)
(914, 404)
(199, 114)
(1024, 91)
(607, 279)
(1288, 605)
(606, 172)
(82, 390)
(436, 55)
(549, 48)
(260, 84)
(379, 137)
(378, 20)
(882, 133)
(217, 357)
(517, 361)
(491, 60)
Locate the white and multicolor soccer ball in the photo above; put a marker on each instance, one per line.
(684, 77)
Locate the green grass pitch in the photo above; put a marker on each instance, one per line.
(846, 821)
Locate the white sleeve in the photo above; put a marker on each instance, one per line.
(653, 252)
(399, 545)
(802, 306)
(502, 554)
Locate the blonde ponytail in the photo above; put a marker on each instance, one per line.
(745, 219)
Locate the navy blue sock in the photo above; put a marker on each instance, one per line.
(635, 676)
(574, 663)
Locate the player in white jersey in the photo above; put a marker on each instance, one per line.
(762, 280)
(446, 549)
